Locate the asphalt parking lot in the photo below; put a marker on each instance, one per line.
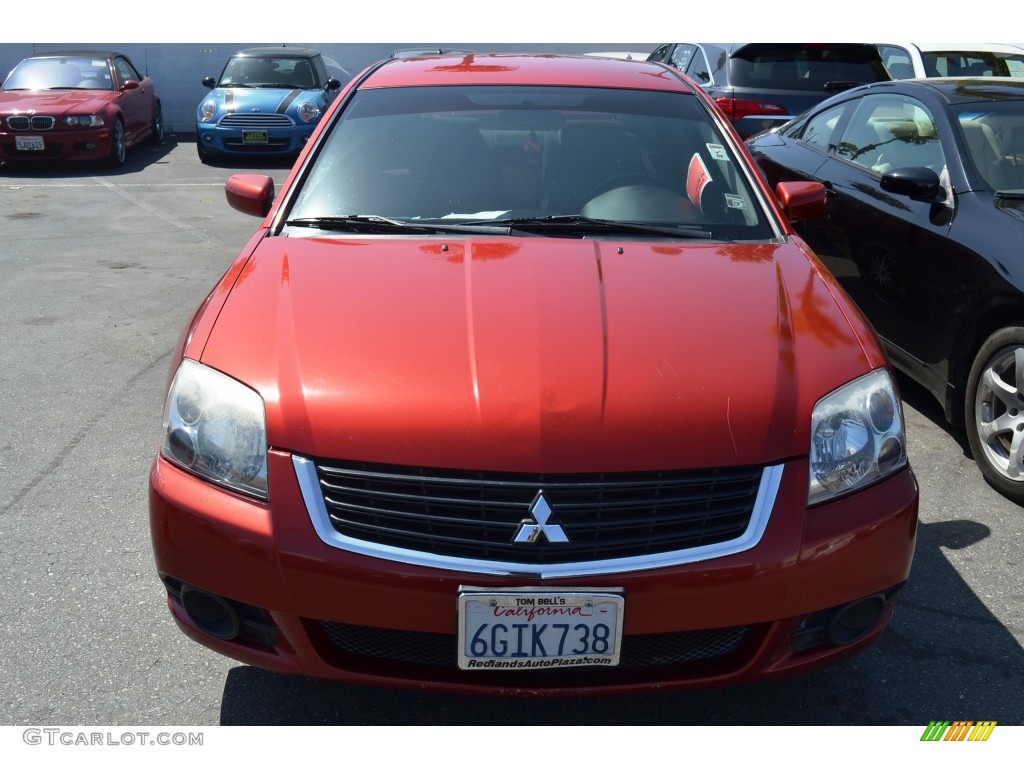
(99, 272)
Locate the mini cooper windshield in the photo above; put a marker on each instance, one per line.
(563, 162)
(269, 72)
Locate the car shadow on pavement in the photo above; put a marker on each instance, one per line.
(921, 400)
(139, 157)
(944, 656)
(253, 162)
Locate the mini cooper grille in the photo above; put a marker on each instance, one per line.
(439, 650)
(255, 120)
(477, 515)
(36, 122)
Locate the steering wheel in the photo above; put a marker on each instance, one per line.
(632, 179)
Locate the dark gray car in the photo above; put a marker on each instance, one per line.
(762, 85)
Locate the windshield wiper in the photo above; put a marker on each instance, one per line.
(381, 225)
(1010, 194)
(567, 226)
(574, 224)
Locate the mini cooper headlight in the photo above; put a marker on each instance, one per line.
(857, 437)
(308, 111)
(208, 110)
(215, 427)
(83, 121)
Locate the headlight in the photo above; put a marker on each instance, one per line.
(216, 427)
(308, 111)
(857, 437)
(208, 110)
(83, 121)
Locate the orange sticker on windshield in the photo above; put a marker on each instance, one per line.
(697, 178)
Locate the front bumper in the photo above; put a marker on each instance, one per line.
(58, 145)
(218, 140)
(309, 608)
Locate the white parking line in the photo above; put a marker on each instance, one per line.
(119, 189)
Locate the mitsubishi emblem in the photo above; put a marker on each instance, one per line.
(530, 530)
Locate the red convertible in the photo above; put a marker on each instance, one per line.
(77, 105)
(525, 384)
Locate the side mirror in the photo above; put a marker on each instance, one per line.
(129, 85)
(801, 200)
(915, 183)
(333, 84)
(210, 82)
(250, 193)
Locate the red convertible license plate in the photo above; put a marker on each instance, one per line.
(539, 629)
(34, 143)
(254, 137)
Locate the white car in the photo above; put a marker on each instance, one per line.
(910, 60)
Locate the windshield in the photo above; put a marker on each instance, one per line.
(269, 71)
(59, 73)
(485, 154)
(994, 136)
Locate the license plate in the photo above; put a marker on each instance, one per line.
(539, 629)
(33, 143)
(254, 137)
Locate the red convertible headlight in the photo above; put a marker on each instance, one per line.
(857, 437)
(308, 112)
(83, 121)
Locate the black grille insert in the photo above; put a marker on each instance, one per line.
(476, 515)
(440, 650)
(35, 122)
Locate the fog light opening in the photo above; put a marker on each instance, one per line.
(854, 621)
(211, 613)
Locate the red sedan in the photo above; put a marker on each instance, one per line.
(77, 105)
(525, 384)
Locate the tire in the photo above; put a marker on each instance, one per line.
(994, 411)
(205, 156)
(118, 147)
(156, 135)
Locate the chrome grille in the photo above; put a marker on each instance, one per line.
(35, 122)
(475, 516)
(255, 120)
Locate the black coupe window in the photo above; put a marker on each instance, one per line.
(891, 131)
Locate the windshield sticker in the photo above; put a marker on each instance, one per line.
(697, 179)
(717, 152)
(99, 63)
(734, 201)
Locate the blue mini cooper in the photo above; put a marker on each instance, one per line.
(266, 102)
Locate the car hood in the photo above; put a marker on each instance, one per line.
(264, 99)
(54, 103)
(537, 355)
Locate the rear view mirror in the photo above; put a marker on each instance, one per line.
(915, 183)
(801, 200)
(250, 193)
